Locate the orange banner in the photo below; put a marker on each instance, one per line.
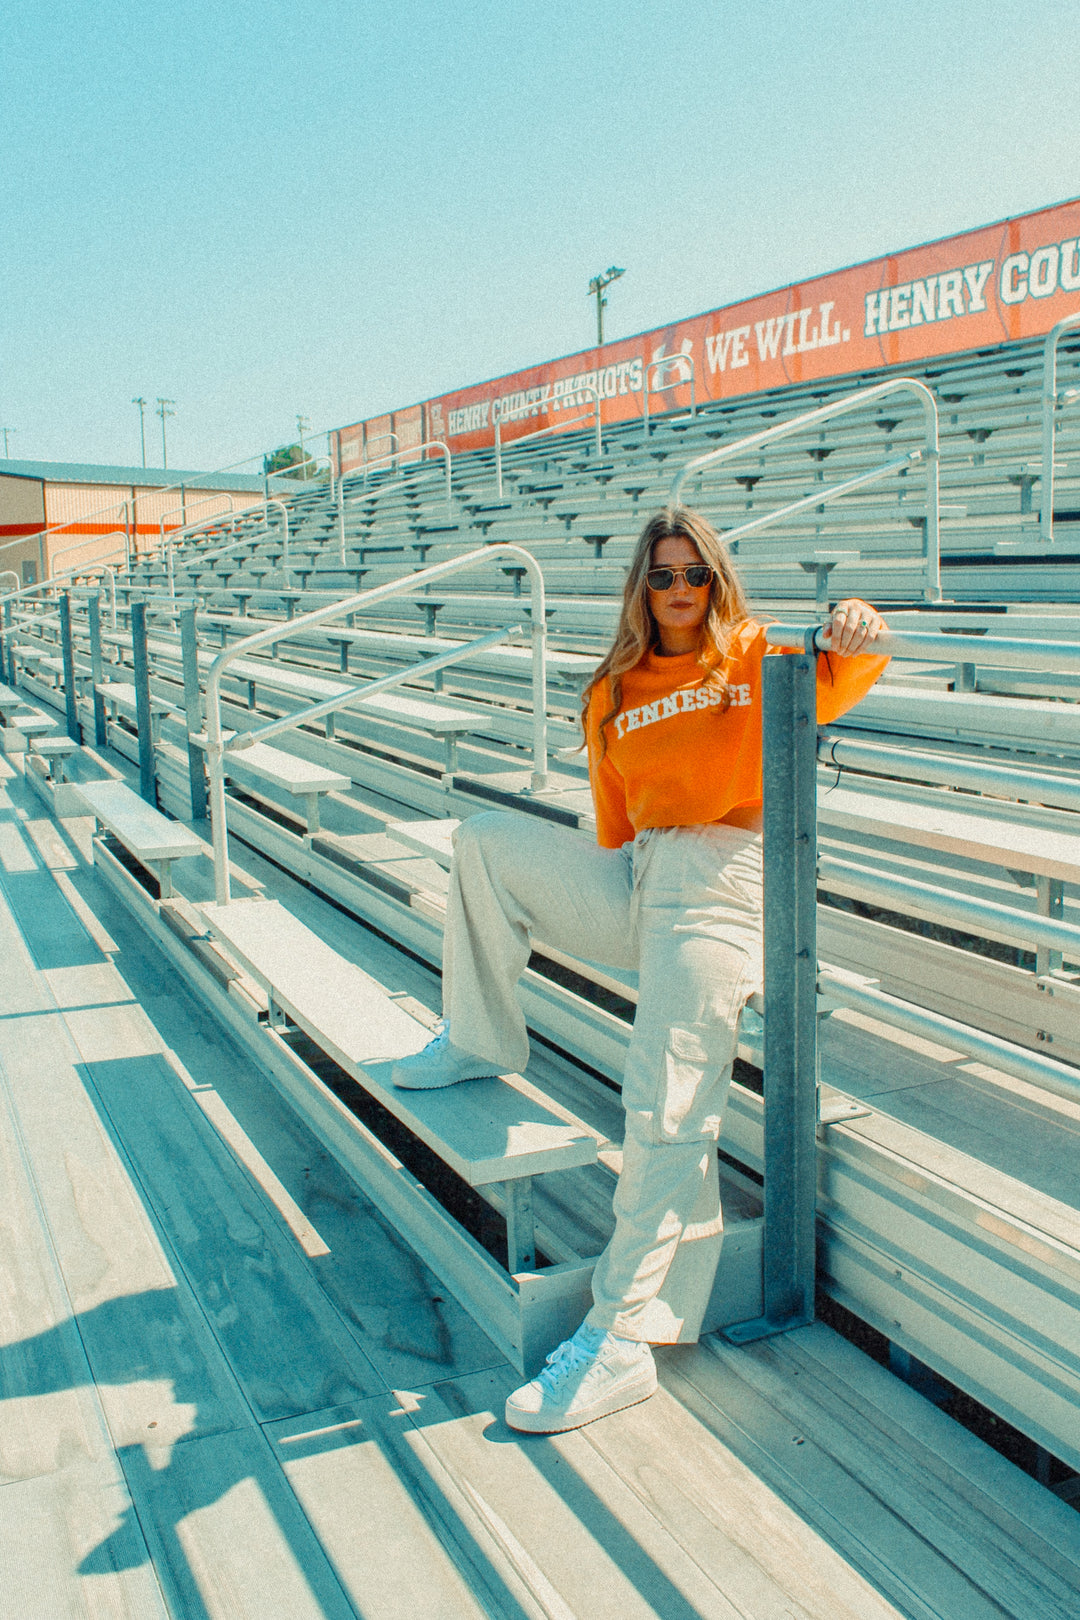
(978, 290)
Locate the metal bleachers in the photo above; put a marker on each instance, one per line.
(303, 916)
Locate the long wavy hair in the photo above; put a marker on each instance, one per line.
(638, 632)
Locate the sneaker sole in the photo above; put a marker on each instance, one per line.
(440, 1085)
(537, 1423)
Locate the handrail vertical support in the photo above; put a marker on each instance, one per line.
(341, 520)
(7, 647)
(140, 659)
(97, 669)
(539, 685)
(1049, 408)
(71, 700)
(189, 657)
(789, 690)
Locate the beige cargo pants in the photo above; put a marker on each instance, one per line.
(683, 906)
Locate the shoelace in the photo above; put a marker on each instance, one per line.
(439, 1043)
(564, 1360)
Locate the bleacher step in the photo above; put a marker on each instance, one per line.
(486, 1130)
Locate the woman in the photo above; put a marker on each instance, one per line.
(672, 720)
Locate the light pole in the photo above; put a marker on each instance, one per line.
(142, 403)
(163, 411)
(5, 432)
(302, 424)
(596, 287)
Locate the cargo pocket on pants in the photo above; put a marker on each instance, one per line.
(688, 1103)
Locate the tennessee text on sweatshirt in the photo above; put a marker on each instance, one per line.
(686, 748)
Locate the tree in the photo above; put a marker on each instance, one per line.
(290, 456)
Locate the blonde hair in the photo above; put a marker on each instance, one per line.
(637, 632)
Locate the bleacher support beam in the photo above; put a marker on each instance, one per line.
(97, 670)
(147, 767)
(71, 696)
(189, 654)
(789, 721)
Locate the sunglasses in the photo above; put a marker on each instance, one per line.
(662, 579)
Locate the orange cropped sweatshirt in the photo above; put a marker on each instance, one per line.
(686, 748)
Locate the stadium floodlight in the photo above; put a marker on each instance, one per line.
(5, 431)
(142, 404)
(302, 426)
(596, 286)
(163, 411)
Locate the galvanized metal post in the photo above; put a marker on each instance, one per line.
(8, 650)
(189, 654)
(97, 670)
(147, 771)
(789, 692)
(71, 702)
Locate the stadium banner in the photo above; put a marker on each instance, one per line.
(986, 287)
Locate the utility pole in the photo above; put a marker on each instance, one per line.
(5, 432)
(142, 404)
(302, 426)
(163, 411)
(596, 288)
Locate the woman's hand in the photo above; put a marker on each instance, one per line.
(851, 626)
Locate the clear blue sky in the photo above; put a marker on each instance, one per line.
(259, 208)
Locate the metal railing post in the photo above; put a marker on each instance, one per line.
(7, 647)
(71, 702)
(1049, 407)
(554, 427)
(411, 450)
(789, 721)
(341, 520)
(143, 713)
(669, 360)
(189, 658)
(97, 669)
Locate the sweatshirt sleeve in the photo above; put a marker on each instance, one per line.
(613, 825)
(841, 682)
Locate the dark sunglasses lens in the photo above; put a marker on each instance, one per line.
(660, 579)
(698, 576)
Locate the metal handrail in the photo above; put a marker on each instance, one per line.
(92, 540)
(56, 580)
(670, 360)
(345, 700)
(215, 750)
(822, 497)
(553, 427)
(841, 407)
(428, 444)
(378, 439)
(219, 496)
(6, 573)
(309, 461)
(1062, 657)
(841, 750)
(233, 545)
(1050, 404)
(985, 919)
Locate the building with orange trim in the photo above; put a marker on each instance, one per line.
(57, 515)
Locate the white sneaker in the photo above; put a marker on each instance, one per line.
(587, 1377)
(441, 1063)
